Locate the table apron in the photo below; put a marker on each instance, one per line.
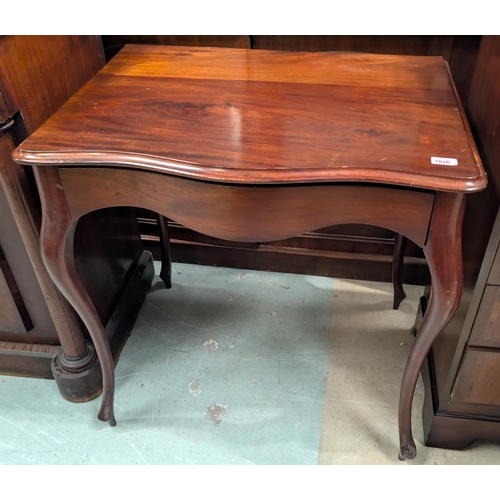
(257, 213)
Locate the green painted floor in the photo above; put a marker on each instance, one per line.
(240, 367)
(227, 367)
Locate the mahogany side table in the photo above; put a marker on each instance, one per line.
(252, 145)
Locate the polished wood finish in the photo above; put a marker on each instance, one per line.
(113, 44)
(446, 429)
(222, 210)
(32, 80)
(460, 51)
(300, 117)
(463, 395)
(478, 382)
(37, 74)
(197, 153)
(484, 104)
(328, 255)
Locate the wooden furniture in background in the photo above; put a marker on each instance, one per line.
(40, 335)
(462, 380)
(114, 43)
(284, 143)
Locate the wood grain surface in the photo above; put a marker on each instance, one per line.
(244, 116)
(247, 213)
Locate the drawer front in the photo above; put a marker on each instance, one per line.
(477, 388)
(486, 329)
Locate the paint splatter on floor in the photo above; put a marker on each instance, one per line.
(195, 388)
(210, 346)
(215, 413)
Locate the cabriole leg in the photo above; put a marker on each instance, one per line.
(56, 243)
(443, 251)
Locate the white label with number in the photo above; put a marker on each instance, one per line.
(437, 160)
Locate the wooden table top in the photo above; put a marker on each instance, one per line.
(253, 116)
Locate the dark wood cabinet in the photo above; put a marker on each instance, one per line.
(37, 75)
(463, 375)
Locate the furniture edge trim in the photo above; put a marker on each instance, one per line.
(211, 173)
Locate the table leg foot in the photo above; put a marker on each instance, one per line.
(107, 413)
(407, 451)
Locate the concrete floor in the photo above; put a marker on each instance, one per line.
(241, 367)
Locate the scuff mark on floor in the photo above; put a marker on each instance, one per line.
(194, 387)
(180, 349)
(215, 413)
(210, 346)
